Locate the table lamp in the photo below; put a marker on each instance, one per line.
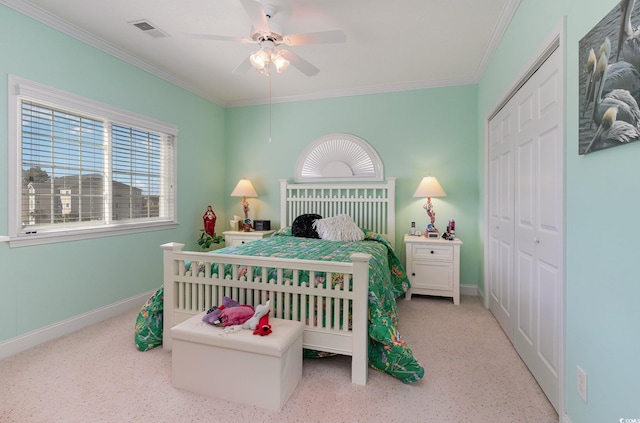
(430, 187)
(245, 189)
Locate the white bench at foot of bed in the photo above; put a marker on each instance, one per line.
(324, 312)
(262, 370)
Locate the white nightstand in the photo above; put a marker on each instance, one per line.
(232, 238)
(433, 267)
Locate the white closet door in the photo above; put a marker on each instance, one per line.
(525, 259)
(538, 228)
(501, 219)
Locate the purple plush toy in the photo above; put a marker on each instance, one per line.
(213, 316)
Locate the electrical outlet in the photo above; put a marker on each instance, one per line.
(582, 383)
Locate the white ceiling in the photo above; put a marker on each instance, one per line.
(391, 46)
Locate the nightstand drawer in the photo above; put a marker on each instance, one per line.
(432, 252)
(232, 238)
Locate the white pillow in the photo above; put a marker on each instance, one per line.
(338, 228)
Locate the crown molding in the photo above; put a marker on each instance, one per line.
(350, 92)
(508, 11)
(56, 23)
(73, 31)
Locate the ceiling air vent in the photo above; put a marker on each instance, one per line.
(149, 28)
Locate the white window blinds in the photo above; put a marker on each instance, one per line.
(80, 171)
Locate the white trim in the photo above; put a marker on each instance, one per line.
(556, 40)
(506, 14)
(65, 327)
(58, 24)
(43, 93)
(81, 35)
(89, 233)
(20, 88)
(471, 290)
(351, 92)
(481, 295)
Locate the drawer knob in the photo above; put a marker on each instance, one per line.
(432, 252)
(413, 274)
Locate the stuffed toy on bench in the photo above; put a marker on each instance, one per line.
(261, 310)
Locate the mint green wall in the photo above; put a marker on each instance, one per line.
(437, 131)
(601, 226)
(414, 132)
(46, 284)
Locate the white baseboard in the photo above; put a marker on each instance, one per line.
(29, 340)
(481, 295)
(469, 290)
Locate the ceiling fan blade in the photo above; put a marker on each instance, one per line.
(321, 37)
(298, 62)
(244, 66)
(256, 14)
(219, 37)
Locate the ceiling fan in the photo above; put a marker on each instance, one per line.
(270, 37)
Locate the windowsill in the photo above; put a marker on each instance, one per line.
(52, 238)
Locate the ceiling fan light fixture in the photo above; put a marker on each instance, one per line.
(270, 36)
(280, 63)
(260, 59)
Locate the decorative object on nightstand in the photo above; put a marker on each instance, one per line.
(430, 187)
(245, 189)
(208, 235)
(433, 267)
(262, 225)
(209, 220)
(450, 234)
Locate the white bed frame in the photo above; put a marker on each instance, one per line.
(371, 205)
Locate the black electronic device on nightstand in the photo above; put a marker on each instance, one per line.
(262, 225)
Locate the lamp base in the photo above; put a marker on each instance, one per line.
(246, 225)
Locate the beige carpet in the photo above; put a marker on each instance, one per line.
(96, 375)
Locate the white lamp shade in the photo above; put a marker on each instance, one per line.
(259, 59)
(280, 63)
(244, 189)
(429, 187)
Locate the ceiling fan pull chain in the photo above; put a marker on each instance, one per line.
(269, 108)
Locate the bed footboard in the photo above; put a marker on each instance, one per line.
(329, 298)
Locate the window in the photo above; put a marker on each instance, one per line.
(339, 157)
(82, 169)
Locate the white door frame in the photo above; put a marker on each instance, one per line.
(556, 40)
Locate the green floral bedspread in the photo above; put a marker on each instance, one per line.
(387, 280)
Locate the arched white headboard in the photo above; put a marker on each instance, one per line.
(338, 157)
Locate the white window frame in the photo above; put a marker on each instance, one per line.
(20, 89)
(337, 158)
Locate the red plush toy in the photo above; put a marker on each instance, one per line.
(264, 328)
